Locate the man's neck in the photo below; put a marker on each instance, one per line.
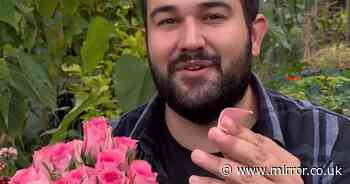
(194, 136)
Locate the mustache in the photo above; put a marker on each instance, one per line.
(196, 55)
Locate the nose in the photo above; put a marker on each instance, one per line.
(192, 37)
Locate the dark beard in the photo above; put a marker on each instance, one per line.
(229, 91)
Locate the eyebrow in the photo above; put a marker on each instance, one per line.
(216, 4)
(204, 5)
(162, 9)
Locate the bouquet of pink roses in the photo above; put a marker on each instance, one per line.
(98, 159)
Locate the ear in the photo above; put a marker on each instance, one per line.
(259, 29)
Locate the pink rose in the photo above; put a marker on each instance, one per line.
(97, 136)
(63, 181)
(77, 146)
(111, 159)
(111, 177)
(76, 176)
(90, 180)
(29, 176)
(125, 143)
(140, 172)
(80, 173)
(54, 158)
(8, 153)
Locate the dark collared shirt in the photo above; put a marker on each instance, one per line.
(318, 137)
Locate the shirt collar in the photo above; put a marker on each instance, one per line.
(268, 123)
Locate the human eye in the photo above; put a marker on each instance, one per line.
(167, 21)
(214, 17)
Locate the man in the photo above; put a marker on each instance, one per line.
(200, 56)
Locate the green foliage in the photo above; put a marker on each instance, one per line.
(47, 7)
(330, 25)
(134, 90)
(10, 168)
(56, 64)
(7, 12)
(332, 92)
(282, 48)
(107, 104)
(322, 77)
(90, 100)
(96, 43)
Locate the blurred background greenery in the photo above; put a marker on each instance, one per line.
(63, 61)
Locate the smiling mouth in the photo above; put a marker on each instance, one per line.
(195, 65)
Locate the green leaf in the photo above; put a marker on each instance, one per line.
(74, 25)
(55, 36)
(13, 106)
(47, 7)
(5, 96)
(19, 82)
(31, 79)
(4, 71)
(29, 35)
(9, 50)
(17, 114)
(96, 43)
(89, 101)
(131, 155)
(72, 68)
(8, 12)
(24, 8)
(70, 6)
(90, 4)
(133, 82)
(37, 76)
(140, 10)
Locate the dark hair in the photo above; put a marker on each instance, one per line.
(250, 9)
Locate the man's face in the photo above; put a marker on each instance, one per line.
(200, 55)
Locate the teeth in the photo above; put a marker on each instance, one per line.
(194, 68)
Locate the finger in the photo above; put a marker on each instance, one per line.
(225, 169)
(249, 154)
(246, 134)
(212, 163)
(204, 180)
(240, 150)
(240, 116)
